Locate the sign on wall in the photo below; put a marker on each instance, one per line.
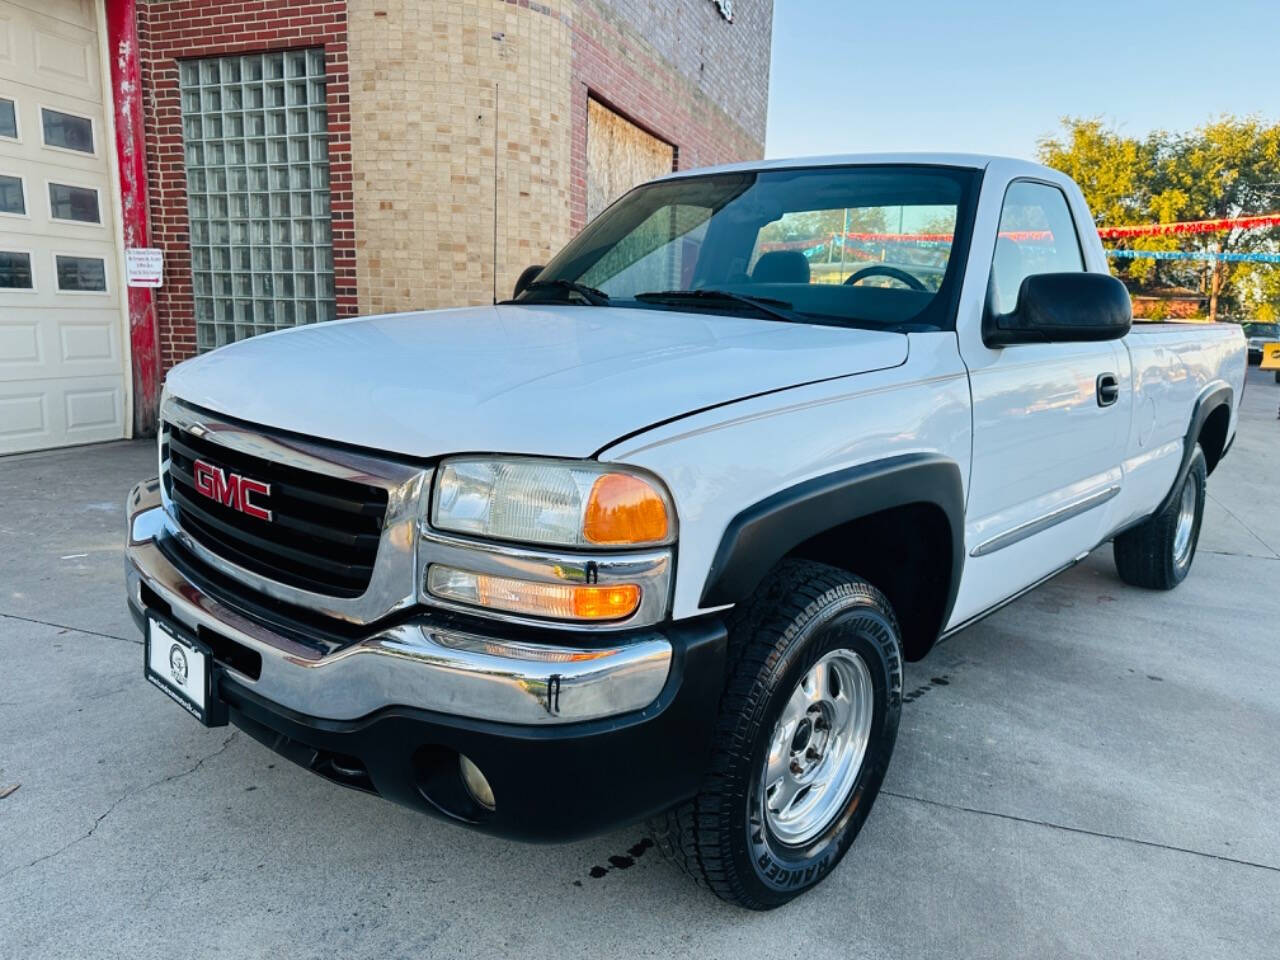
(144, 266)
(726, 8)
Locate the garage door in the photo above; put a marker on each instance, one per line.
(61, 350)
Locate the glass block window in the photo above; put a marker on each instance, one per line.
(255, 136)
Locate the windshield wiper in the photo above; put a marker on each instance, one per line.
(778, 309)
(597, 298)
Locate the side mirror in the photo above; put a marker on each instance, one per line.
(527, 276)
(1062, 307)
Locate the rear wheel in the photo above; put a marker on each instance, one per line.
(806, 728)
(1157, 554)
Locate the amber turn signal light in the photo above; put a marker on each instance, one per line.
(560, 601)
(605, 603)
(624, 509)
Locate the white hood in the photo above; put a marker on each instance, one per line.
(550, 380)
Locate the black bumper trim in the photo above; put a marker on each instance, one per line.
(551, 783)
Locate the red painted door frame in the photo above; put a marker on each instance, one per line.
(126, 86)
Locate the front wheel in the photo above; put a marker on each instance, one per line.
(807, 725)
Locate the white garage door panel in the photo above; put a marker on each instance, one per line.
(62, 355)
(78, 13)
(37, 414)
(43, 344)
(86, 342)
(91, 409)
(23, 419)
(19, 346)
(58, 52)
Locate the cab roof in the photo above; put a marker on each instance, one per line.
(972, 161)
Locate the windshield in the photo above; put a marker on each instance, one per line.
(857, 246)
(1262, 330)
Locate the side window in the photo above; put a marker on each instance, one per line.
(1037, 235)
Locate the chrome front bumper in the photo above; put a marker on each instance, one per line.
(411, 664)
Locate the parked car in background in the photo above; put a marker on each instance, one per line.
(1258, 336)
(654, 538)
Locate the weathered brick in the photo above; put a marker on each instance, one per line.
(413, 115)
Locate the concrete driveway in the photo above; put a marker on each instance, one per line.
(1092, 772)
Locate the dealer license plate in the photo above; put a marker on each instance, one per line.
(183, 669)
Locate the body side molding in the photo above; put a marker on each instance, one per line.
(765, 532)
(1039, 524)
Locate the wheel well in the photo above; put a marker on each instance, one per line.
(1213, 435)
(905, 552)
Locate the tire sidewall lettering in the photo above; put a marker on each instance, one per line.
(869, 634)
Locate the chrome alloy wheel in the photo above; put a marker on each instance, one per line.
(1186, 523)
(817, 748)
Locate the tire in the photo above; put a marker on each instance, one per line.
(1151, 555)
(806, 619)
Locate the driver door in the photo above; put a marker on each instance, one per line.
(1047, 450)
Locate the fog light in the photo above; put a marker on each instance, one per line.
(476, 783)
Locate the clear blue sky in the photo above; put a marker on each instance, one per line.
(990, 76)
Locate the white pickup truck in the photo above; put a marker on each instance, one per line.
(653, 538)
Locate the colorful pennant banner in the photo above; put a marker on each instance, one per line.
(1203, 255)
(1191, 226)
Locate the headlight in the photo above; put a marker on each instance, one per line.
(567, 504)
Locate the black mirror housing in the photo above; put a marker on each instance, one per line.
(527, 276)
(1063, 307)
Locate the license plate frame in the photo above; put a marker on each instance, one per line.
(175, 661)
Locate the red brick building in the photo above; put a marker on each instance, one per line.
(295, 162)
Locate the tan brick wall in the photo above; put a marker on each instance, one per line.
(423, 134)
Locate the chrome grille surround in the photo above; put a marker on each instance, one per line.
(392, 585)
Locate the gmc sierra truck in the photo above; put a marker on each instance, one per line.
(653, 539)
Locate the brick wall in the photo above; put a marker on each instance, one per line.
(725, 63)
(425, 117)
(437, 85)
(177, 29)
(415, 118)
(618, 59)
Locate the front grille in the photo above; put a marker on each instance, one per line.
(323, 534)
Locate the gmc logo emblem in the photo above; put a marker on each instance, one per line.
(231, 489)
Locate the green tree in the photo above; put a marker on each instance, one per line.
(1229, 167)
(1112, 170)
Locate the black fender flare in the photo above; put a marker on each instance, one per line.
(764, 533)
(1213, 397)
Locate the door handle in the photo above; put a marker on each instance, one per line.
(1108, 389)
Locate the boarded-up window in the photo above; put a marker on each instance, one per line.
(619, 156)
